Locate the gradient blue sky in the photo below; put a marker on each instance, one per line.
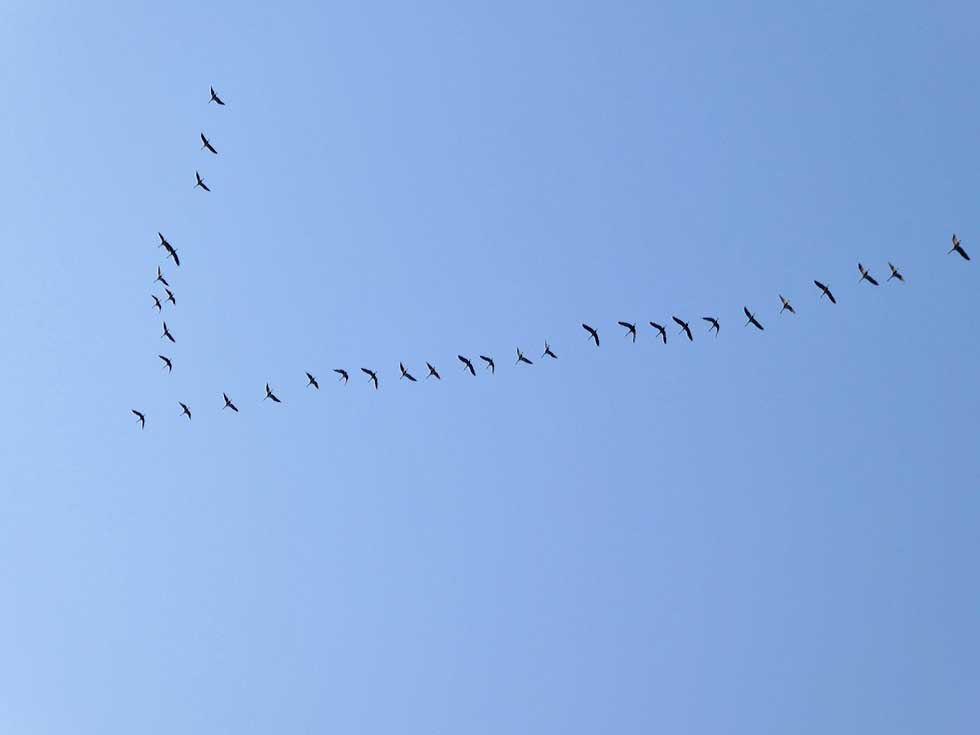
(764, 532)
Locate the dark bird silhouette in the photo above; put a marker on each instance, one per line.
(489, 361)
(215, 98)
(957, 248)
(630, 330)
(786, 305)
(207, 145)
(751, 319)
(548, 351)
(186, 412)
(866, 275)
(895, 274)
(167, 363)
(433, 373)
(342, 373)
(593, 334)
(372, 376)
(312, 381)
(170, 296)
(140, 417)
(160, 277)
(405, 373)
(824, 291)
(685, 328)
(156, 303)
(714, 324)
(229, 404)
(171, 252)
(200, 182)
(163, 244)
(521, 358)
(167, 334)
(467, 365)
(661, 330)
(270, 394)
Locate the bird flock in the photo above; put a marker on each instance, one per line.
(489, 365)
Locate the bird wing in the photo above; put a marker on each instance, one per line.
(831, 297)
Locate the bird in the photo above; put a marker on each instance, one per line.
(140, 417)
(167, 334)
(714, 324)
(171, 253)
(630, 330)
(593, 334)
(156, 302)
(489, 361)
(170, 296)
(160, 277)
(372, 375)
(467, 365)
(685, 328)
(521, 358)
(751, 319)
(215, 98)
(186, 412)
(270, 394)
(167, 363)
(958, 248)
(661, 330)
(163, 244)
(312, 381)
(825, 292)
(786, 305)
(895, 274)
(200, 182)
(866, 275)
(207, 144)
(229, 404)
(433, 373)
(548, 351)
(342, 373)
(405, 373)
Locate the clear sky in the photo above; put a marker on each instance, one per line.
(762, 532)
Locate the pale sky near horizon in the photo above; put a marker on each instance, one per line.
(761, 532)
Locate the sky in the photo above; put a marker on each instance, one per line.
(767, 531)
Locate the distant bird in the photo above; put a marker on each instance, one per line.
(825, 292)
(167, 334)
(160, 277)
(229, 404)
(405, 373)
(521, 358)
(312, 381)
(489, 361)
(630, 330)
(170, 296)
(167, 363)
(786, 305)
(200, 182)
(751, 319)
(372, 375)
(548, 351)
(186, 412)
(215, 98)
(685, 328)
(433, 373)
(714, 324)
(661, 330)
(958, 248)
(866, 275)
(270, 394)
(163, 244)
(207, 145)
(467, 365)
(171, 252)
(895, 274)
(342, 373)
(594, 335)
(140, 417)
(156, 302)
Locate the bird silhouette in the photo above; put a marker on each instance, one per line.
(786, 305)
(630, 330)
(467, 365)
(167, 334)
(170, 296)
(312, 381)
(824, 291)
(270, 394)
(156, 302)
(229, 404)
(342, 373)
(685, 328)
(140, 417)
(866, 275)
(186, 412)
(207, 145)
(215, 98)
(521, 358)
(489, 361)
(714, 324)
(548, 352)
(200, 182)
(957, 248)
(372, 376)
(167, 363)
(660, 329)
(433, 373)
(751, 319)
(593, 334)
(160, 277)
(405, 373)
(163, 244)
(171, 252)
(895, 273)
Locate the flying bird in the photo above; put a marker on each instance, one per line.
(661, 330)
(433, 373)
(207, 144)
(895, 273)
(343, 375)
(824, 291)
(630, 330)
(170, 296)
(229, 404)
(167, 363)
(405, 373)
(866, 275)
(312, 381)
(467, 365)
(592, 333)
(548, 351)
(156, 302)
(714, 324)
(489, 361)
(200, 182)
(751, 319)
(957, 248)
(521, 358)
(186, 412)
(215, 98)
(160, 277)
(685, 328)
(786, 305)
(171, 253)
(167, 334)
(270, 394)
(140, 417)
(372, 376)
(163, 244)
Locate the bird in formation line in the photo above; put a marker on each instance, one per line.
(467, 365)
(660, 330)
(171, 252)
(312, 381)
(215, 98)
(866, 275)
(170, 296)
(372, 375)
(343, 375)
(433, 373)
(186, 411)
(141, 418)
(167, 334)
(593, 334)
(521, 358)
(957, 248)
(630, 330)
(167, 363)
(786, 305)
(751, 319)
(269, 394)
(156, 303)
(207, 145)
(714, 324)
(490, 366)
(685, 328)
(895, 274)
(200, 182)
(160, 277)
(229, 404)
(405, 374)
(824, 291)
(548, 351)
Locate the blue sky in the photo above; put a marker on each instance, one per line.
(767, 531)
